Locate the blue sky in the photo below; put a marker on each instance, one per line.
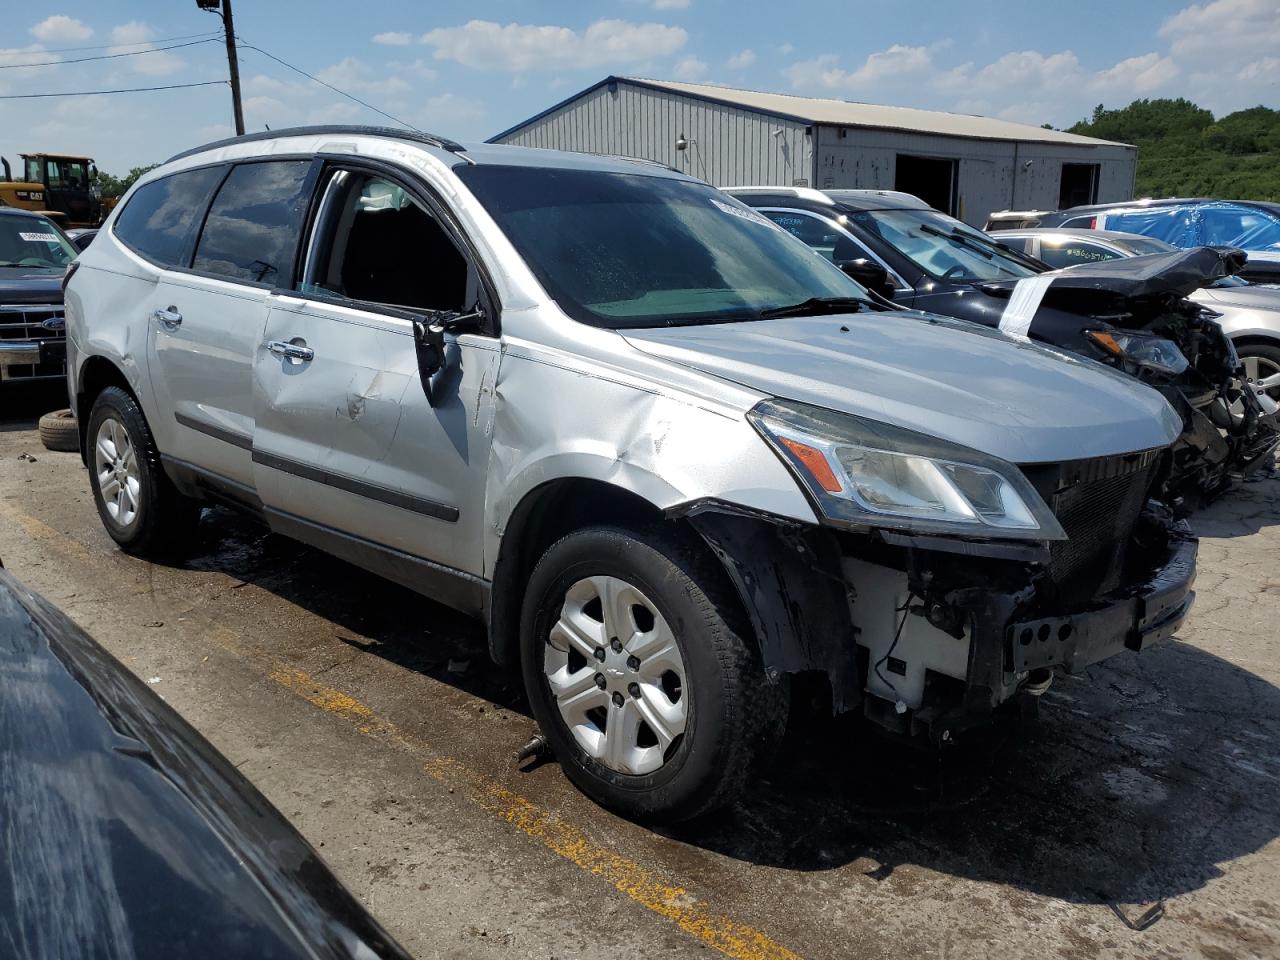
(470, 70)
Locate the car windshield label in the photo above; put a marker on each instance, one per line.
(37, 237)
(743, 214)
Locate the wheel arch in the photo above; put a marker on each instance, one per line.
(543, 515)
(96, 374)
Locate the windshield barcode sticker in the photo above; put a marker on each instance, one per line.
(38, 237)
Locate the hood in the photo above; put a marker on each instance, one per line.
(941, 377)
(1099, 286)
(31, 285)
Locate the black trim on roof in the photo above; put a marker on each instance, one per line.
(332, 129)
(497, 137)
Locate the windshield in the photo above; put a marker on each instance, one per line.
(33, 242)
(632, 250)
(943, 247)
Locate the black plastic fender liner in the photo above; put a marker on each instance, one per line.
(788, 577)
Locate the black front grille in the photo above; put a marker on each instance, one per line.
(1097, 502)
(32, 323)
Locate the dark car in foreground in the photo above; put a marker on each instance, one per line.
(1251, 225)
(34, 254)
(128, 836)
(1131, 314)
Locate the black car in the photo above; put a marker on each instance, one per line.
(34, 253)
(128, 835)
(1251, 225)
(1131, 314)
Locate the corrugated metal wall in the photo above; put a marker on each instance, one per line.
(738, 147)
(867, 159)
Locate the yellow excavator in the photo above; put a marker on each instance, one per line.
(60, 186)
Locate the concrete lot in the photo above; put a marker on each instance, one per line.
(1153, 778)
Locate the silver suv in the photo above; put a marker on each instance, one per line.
(672, 457)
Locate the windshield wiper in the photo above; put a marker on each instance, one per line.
(815, 306)
(981, 249)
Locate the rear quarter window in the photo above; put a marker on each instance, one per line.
(254, 222)
(161, 217)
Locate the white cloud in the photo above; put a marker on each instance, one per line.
(355, 76)
(135, 37)
(787, 49)
(824, 71)
(742, 59)
(689, 68)
(60, 28)
(1231, 28)
(1139, 74)
(517, 47)
(671, 4)
(394, 38)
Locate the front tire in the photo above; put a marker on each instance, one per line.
(640, 673)
(141, 509)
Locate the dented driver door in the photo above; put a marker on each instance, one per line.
(350, 455)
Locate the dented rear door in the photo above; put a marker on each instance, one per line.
(346, 440)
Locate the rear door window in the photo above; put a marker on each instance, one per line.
(1234, 226)
(254, 223)
(160, 219)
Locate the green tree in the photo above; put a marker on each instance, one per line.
(1184, 151)
(112, 186)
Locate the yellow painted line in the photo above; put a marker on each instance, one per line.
(39, 530)
(640, 884)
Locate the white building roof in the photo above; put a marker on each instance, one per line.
(846, 113)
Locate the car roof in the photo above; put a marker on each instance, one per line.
(472, 154)
(833, 200)
(1118, 236)
(18, 212)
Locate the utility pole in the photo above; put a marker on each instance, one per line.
(223, 9)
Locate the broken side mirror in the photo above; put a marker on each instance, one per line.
(870, 274)
(429, 330)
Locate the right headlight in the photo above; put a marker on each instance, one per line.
(1141, 349)
(864, 473)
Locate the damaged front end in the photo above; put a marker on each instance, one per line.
(1133, 314)
(928, 631)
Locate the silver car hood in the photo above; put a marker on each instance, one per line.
(1252, 297)
(941, 377)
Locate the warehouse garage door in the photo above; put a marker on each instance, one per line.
(1079, 185)
(931, 179)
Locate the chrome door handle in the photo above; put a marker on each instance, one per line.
(291, 351)
(170, 317)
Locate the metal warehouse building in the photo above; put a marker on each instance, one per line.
(968, 166)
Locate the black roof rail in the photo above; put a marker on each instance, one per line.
(333, 129)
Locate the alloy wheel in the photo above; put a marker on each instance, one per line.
(1263, 373)
(115, 462)
(616, 672)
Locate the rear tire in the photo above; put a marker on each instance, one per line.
(140, 507)
(60, 431)
(696, 674)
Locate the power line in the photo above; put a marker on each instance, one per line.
(108, 56)
(99, 93)
(107, 46)
(322, 83)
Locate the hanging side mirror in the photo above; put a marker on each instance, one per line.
(428, 339)
(870, 274)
